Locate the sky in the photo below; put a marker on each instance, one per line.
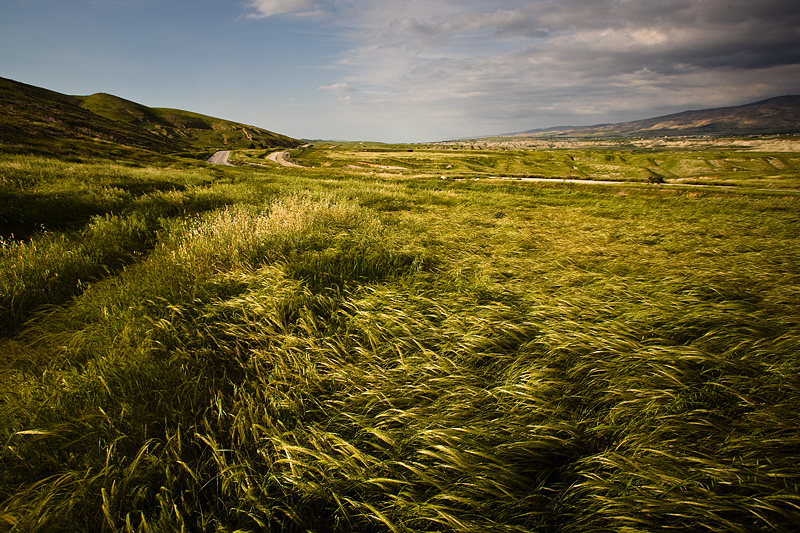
(409, 70)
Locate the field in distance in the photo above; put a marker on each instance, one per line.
(743, 163)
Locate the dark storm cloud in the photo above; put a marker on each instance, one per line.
(561, 15)
(709, 34)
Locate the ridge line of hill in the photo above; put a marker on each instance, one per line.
(34, 116)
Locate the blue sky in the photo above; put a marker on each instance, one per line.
(409, 70)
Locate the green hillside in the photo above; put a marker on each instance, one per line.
(118, 109)
(199, 131)
(51, 122)
(32, 117)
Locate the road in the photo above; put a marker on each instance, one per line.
(281, 159)
(563, 180)
(220, 158)
(670, 185)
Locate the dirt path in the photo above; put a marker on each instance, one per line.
(220, 158)
(282, 158)
(606, 182)
(562, 180)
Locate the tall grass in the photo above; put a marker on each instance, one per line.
(52, 268)
(418, 356)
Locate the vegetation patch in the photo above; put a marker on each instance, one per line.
(324, 349)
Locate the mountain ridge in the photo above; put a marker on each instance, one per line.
(777, 115)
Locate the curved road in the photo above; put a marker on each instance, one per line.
(220, 158)
(281, 159)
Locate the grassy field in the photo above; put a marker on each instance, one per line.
(723, 167)
(220, 349)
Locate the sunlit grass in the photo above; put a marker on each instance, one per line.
(734, 169)
(305, 350)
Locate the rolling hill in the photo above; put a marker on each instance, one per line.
(33, 116)
(780, 115)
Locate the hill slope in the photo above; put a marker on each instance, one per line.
(31, 115)
(200, 131)
(772, 116)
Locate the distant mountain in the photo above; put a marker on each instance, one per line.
(31, 115)
(780, 115)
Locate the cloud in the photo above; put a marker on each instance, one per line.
(470, 65)
(341, 87)
(270, 8)
(524, 45)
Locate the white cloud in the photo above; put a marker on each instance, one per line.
(269, 8)
(341, 87)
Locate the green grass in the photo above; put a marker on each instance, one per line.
(332, 350)
(735, 169)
